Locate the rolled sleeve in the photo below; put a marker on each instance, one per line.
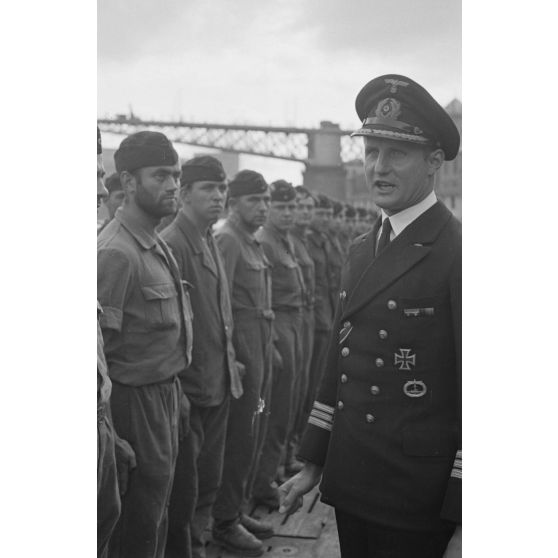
(113, 279)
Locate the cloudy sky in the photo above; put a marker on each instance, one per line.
(279, 62)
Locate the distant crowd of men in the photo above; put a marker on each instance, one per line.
(215, 332)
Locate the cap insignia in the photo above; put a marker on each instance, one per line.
(395, 83)
(388, 108)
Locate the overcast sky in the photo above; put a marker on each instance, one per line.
(279, 62)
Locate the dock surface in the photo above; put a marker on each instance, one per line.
(308, 533)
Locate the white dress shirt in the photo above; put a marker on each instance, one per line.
(399, 221)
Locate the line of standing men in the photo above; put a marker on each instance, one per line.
(206, 339)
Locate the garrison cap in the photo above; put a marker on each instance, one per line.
(112, 183)
(350, 211)
(202, 167)
(337, 207)
(247, 182)
(99, 144)
(304, 192)
(282, 191)
(144, 149)
(396, 107)
(323, 202)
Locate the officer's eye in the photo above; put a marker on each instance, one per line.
(398, 155)
(371, 153)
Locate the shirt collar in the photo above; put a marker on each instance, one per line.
(136, 228)
(399, 221)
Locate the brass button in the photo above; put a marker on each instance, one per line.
(374, 390)
(379, 362)
(340, 405)
(382, 334)
(392, 305)
(347, 324)
(345, 351)
(370, 418)
(343, 295)
(344, 378)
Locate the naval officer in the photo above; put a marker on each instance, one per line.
(384, 433)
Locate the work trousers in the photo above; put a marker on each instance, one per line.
(246, 426)
(197, 478)
(147, 417)
(319, 350)
(360, 539)
(287, 326)
(108, 497)
(299, 415)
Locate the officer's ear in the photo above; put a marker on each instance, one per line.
(129, 182)
(434, 159)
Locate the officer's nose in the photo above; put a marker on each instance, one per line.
(382, 164)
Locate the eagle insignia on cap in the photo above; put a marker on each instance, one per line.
(388, 108)
(395, 83)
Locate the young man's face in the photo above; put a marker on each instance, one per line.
(398, 172)
(321, 218)
(205, 199)
(281, 214)
(252, 209)
(156, 189)
(304, 210)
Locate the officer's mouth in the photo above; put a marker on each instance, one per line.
(384, 187)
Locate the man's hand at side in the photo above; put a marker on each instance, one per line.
(292, 491)
(125, 462)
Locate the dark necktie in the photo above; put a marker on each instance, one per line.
(385, 236)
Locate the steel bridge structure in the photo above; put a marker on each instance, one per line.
(323, 150)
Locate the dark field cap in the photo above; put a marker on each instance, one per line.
(337, 207)
(304, 192)
(350, 211)
(323, 202)
(397, 108)
(145, 149)
(112, 183)
(282, 191)
(203, 167)
(247, 182)
(99, 144)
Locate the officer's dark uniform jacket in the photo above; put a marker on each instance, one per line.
(386, 423)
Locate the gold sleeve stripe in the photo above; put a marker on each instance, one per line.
(456, 472)
(320, 423)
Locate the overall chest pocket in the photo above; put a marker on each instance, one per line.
(253, 276)
(161, 305)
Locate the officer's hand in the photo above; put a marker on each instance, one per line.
(184, 421)
(277, 359)
(292, 491)
(125, 462)
(453, 550)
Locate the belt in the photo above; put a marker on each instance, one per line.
(258, 313)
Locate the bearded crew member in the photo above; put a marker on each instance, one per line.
(146, 325)
(384, 434)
